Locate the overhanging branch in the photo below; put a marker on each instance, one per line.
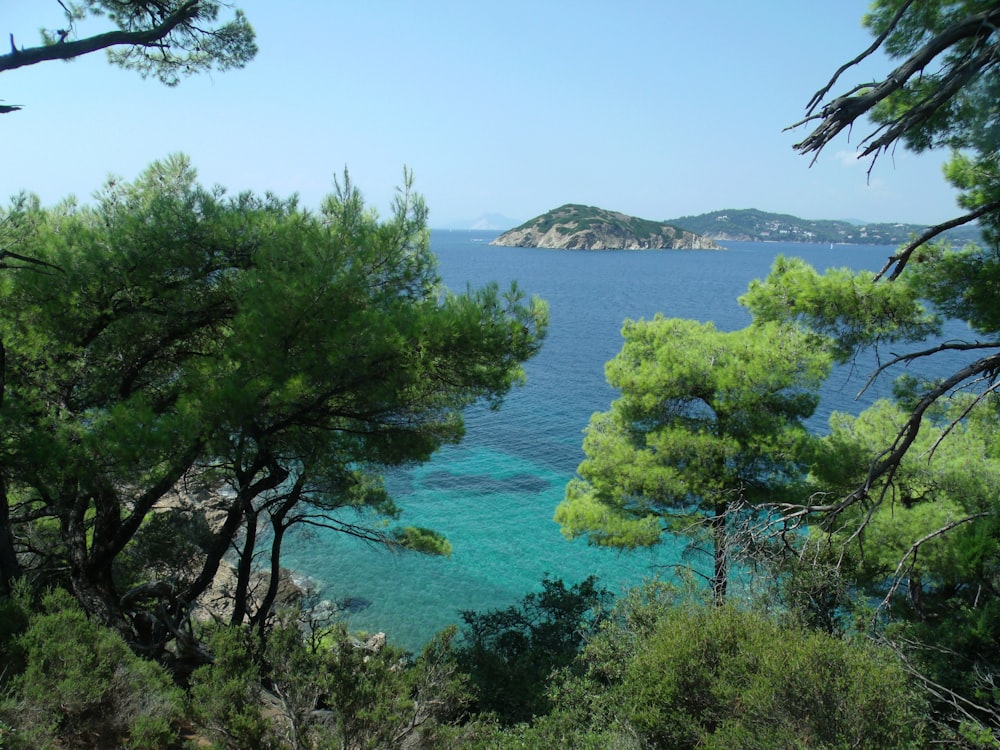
(19, 58)
(888, 461)
(841, 113)
(821, 94)
(903, 256)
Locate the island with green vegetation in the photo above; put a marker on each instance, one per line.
(753, 225)
(577, 227)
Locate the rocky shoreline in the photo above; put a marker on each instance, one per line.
(575, 227)
(294, 590)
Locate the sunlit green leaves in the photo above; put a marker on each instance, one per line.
(707, 420)
(962, 284)
(424, 540)
(939, 497)
(841, 309)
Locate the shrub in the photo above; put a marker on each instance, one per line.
(721, 677)
(510, 653)
(83, 687)
(225, 695)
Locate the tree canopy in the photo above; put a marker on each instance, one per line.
(938, 96)
(186, 374)
(908, 505)
(275, 358)
(901, 499)
(666, 673)
(708, 426)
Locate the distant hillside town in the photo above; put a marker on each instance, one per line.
(752, 225)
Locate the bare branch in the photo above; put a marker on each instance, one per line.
(956, 79)
(359, 532)
(903, 256)
(841, 113)
(23, 261)
(897, 578)
(965, 412)
(821, 94)
(947, 346)
(887, 463)
(960, 703)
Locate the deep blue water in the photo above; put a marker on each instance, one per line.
(494, 495)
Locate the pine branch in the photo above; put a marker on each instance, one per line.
(19, 58)
(841, 113)
(903, 256)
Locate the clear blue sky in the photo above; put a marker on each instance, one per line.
(658, 108)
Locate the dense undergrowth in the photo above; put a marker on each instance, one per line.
(564, 668)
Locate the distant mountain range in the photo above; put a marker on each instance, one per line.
(751, 225)
(497, 222)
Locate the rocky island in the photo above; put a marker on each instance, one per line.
(576, 227)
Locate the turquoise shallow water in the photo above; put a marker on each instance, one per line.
(494, 494)
(496, 510)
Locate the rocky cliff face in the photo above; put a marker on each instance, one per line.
(603, 237)
(575, 227)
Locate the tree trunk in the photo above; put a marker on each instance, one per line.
(280, 527)
(720, 549)
(224, 537)
(92, 585)
(244, 571)
(216, 551)
(10, 567)
(95, 591)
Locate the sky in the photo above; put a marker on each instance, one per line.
(655, 108)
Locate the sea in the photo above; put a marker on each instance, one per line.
(494, 494)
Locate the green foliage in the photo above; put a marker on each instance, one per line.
(928, 543)
(81, 682)
(725, 678)
(843, 309)
(905, 504)
(345, 693)
(977, 176)
(190, 336)
(679, 675)
(944, 485)
(960, 284)
(665, 673)
(188, 48)
(510, 653)
(15, 610)
(225, 699)
(581, 717)
(976, 736)
(818, 589)
(367, 699)
(708, 425)
(166, 40)
(423, 540)
(167, 546)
